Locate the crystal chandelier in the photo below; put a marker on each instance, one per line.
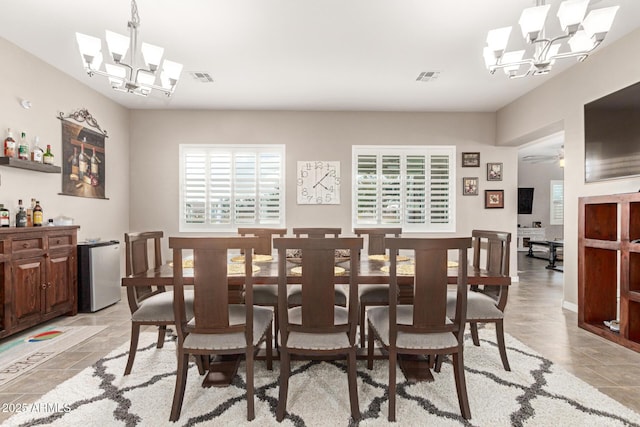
(582, 35)
(127, 77)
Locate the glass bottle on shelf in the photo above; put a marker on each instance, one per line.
(23, 148)
(30, 213)
(21, 215)
(5, 216)
(47, 157)
(9, 145)
(74, 165)
(37, 215)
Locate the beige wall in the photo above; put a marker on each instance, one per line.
(156, 135)
(51, 92)
(559, 104)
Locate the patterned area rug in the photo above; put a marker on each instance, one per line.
(537, 392)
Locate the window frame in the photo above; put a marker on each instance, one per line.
(407, 150)
(232, 150)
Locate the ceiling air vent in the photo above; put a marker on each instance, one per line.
(201, 76)
(428, 76)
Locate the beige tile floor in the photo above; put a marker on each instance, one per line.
(534, 316)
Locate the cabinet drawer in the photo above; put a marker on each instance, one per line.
(25, 245)
(61, 240)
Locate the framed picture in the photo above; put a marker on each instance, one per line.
(470, 186)
(493, 199)
(494, 171)
(470, 160)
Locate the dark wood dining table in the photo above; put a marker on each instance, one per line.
(371, 273)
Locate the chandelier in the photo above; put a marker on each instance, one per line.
(579, 38)
(127, 77)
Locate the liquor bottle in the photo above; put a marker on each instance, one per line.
(9, 145)
(94, 163)
(21, 215)
(5, 218)
(23, 148)
(47, 157)
(30, 213)
(37, 215)
(74, 165)
(82, 161)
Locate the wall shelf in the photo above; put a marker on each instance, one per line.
(29, 165)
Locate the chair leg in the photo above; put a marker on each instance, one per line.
(249, 371)
(474, 333)
(162, 332)
(135, 333)
(200, 364)
(370, 345)
(269, 349)
(393, 356)
(276, 326)
(285, 367)
(461, 386)
(181, 382)
(501, 346)
(353, 385)
(363, 307)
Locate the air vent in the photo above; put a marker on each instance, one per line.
(202, 76)
(428, 76)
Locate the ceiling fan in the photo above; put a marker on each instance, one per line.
(546, 158)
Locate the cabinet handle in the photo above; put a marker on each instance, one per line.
(44, 286)
(58, 242)
(25, 245)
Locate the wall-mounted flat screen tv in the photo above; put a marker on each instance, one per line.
(525, 200)
(612, 135)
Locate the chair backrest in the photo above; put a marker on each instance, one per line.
(265, 235)
(318, 284)
(210, 284)
(376, 237)
(429, 285)
(497, 245)
(317, 232)
(137, 257)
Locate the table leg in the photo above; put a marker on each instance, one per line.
(415, 368)
(221, 371)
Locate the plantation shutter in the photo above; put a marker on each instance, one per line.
(556, 215)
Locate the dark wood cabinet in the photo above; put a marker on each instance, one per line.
(38, 276)
(609, 266)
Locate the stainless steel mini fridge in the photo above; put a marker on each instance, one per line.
(98, 275)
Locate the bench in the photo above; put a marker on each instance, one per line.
(552, 245)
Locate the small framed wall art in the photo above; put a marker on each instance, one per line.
(470, 186)
(494, 171)
(470, 160)
(494, 199)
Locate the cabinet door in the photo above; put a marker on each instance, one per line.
(61, 276)
(27, 283)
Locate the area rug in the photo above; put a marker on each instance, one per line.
(535, 393)
(21, 353)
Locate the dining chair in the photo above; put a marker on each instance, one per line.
(218, 327)
(423, 327)
(318, 327)
(374, 294)
(149, 305)
(316, 233)
(486, 303)
(265, 295)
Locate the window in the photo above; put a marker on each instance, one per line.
(556, 215)
(408, 186)
(223, 187)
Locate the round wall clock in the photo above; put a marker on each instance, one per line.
(318, 182)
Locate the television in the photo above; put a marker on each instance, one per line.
(612, 135)
(525, 200)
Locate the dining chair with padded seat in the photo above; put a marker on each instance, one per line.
(423, 327)
(374, 294)
(149, 305)
(218, 327)
(265, 295)
(486, 303)
(316, 233)
(318, 327)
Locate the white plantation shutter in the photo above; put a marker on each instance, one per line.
(223, 187)
(407, 186)
(556, 215)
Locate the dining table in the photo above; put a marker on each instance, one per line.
(372, 271)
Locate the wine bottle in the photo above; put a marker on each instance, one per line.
(74, 165)
(9, 145)
(82, 161)
(37, 215)
(47, 157)
(94, 163)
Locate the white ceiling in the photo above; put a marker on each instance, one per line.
(301, 54)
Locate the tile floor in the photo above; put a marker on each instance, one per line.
(534, 316)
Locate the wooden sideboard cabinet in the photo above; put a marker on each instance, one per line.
(38, 276)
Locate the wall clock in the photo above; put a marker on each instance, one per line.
(318, 182)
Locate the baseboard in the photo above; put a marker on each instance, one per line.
(570, 306)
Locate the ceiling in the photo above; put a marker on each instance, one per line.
(302, 54)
